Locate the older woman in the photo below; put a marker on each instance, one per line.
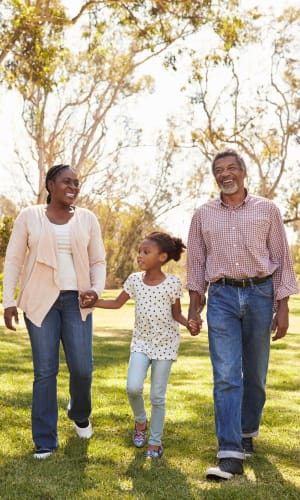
(57, 250)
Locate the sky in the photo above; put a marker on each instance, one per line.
(149, 111)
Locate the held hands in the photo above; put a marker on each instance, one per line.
(88, 298)
(11, 313)
(197, 303)
(194, 326)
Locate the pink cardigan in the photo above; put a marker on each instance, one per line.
(32, 254)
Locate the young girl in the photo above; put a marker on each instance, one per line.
(156, 334)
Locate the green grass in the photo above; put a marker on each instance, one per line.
(108, 466)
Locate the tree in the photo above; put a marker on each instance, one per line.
(125, 223)
(123, 229)
(264, 127)
(295, 249)
(6, 225)
(7, 207)
(71, 90)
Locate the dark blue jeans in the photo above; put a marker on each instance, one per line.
(239, 328)
(62, 323)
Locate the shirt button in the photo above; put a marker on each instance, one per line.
(237, 264)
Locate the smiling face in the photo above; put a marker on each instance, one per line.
(64, 188)
(229, 175)
(150, 256)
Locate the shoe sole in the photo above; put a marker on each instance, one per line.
(217, 473)
(139, 445)
(84, 432)
(156, 456)
(151, 457)
(42, 456)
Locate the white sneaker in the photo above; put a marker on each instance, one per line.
(84, 432)
(42, 454)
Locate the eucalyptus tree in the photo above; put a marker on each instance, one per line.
(75, 71)
(257, 113)
(74, 68)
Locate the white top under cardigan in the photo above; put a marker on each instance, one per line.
(32, 254)
(66, 269)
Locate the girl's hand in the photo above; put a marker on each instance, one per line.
(88, 298)
(194, 326)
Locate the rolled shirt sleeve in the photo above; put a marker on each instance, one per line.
(196, 257)
(284, 277)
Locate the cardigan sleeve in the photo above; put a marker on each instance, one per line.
(14, 259)
(96, 254)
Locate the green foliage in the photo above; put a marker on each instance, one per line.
(32, 46)
(262, 121)
(108, 466)
(7, 207)
(295, 249)
(8, 212)
(123, 229)
(6, 225)
(69, 88)
(32, 40)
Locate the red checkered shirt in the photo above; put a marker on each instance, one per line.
(238, 242)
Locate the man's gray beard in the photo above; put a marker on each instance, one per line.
(230, 190)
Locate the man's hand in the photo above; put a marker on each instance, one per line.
(197, 303)
(281, 320)
(11, 313)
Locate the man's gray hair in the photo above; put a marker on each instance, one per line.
(229, 152)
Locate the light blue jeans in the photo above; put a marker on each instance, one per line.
(239, 327)
(62, 323)
(137, 372)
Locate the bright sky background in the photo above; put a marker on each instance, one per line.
(149, 111)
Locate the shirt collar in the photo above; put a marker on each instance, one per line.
(245, 200)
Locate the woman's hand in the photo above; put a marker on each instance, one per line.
(9, 314)
(88, 298)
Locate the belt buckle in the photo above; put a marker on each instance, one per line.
(244, 282)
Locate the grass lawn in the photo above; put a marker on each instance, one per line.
(108, 466)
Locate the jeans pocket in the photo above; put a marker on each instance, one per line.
(264, 289)
(214, 289)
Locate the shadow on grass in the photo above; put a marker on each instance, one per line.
(27, 478)
(109, 349)
(108, 466)
(288, 384)
(266, 479)
(261, 481)
(157, 479)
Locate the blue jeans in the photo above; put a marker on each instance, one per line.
(239, 327)
(62, 323)
(137, 372)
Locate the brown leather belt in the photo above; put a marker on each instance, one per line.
(243, 282)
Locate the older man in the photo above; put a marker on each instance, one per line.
(237, 245)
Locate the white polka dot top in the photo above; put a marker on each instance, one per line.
(155, 332)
